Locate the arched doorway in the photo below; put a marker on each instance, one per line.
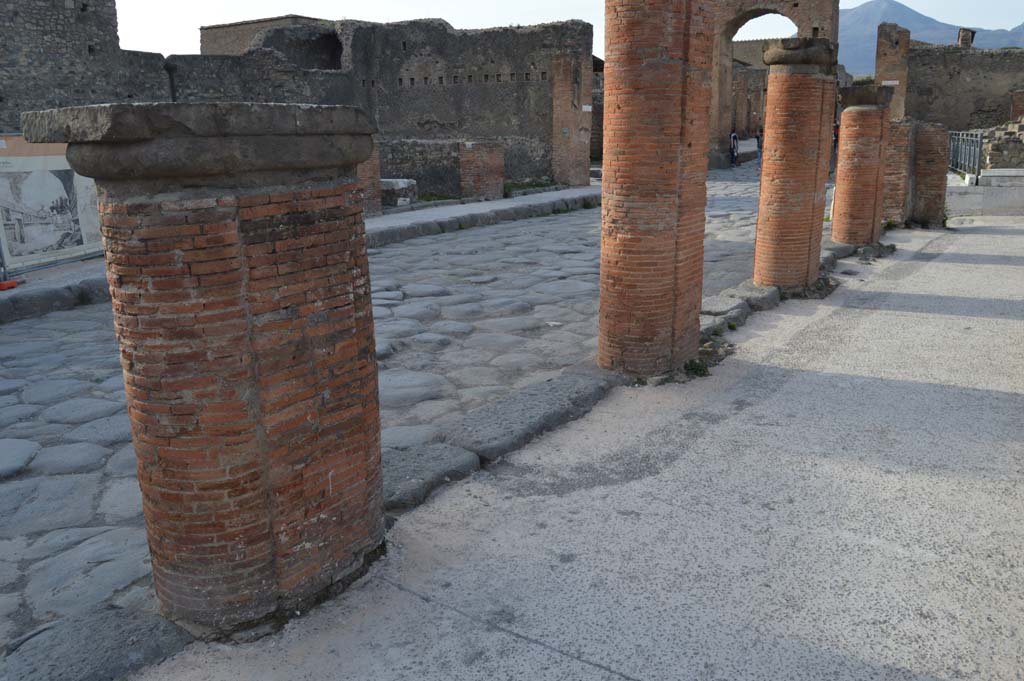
(811, 18)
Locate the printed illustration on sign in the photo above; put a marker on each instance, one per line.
(47, 212)
(40, 210)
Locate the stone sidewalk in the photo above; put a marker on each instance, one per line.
(482, 339)
(842, 499)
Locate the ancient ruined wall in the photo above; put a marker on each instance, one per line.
(527, 88)
(259, 76)
(963, 88)
(424, 80)
(432, 163)
(236, 39)
(891, 66)
(958, 86)
(1004, 146)
(60, 52)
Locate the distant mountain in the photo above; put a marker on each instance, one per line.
(858, 33)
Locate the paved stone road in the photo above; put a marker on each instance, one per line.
(462, 318)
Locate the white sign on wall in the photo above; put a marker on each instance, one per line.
(48, 214)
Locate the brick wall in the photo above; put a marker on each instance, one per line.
(931, 167)
(247, 342)
(417, 79)
(572, 104)
(898, 176)
(482, 170)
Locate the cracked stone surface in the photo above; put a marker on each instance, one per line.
(465, 318)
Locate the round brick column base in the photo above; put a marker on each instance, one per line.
(241, 298)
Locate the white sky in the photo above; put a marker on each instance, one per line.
(173, 27)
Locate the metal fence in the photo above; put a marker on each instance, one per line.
(965, 151)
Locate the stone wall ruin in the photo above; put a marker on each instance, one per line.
(421, 82)
(958, 86)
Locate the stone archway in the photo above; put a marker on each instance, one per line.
(813, 18)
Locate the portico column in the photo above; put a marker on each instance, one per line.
(797, 145)
(236, 257)
(656, 127)
(860, 171)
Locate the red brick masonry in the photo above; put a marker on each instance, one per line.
(246, 335)
(482, 168)
(857, 219)
(795, 166)
(657, 135)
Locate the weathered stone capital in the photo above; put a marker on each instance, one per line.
(866, 95)
(812, 52)
(169, 140)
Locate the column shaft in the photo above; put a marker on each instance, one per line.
(800, 106)
(655, 168)
(860, 176)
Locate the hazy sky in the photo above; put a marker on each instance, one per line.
(173, 27)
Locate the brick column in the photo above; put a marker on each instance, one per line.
(237, 263)
(931, 167)
(797, 155)
(860, 171)
(657, 98)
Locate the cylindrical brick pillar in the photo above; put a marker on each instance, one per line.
(656, 139)
(236, 257)
(797, 154)
(860, 171)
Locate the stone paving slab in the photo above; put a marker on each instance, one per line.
(484, 335)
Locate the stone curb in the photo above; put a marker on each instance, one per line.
(731, 308)
(110, 643)
(27, 304)
(486, 434)
(399, 233)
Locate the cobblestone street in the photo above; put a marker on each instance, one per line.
(461, 319)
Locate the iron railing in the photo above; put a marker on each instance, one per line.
(965, 151)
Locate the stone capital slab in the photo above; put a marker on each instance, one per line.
(173, 140)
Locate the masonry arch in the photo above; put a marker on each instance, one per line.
(813, 19)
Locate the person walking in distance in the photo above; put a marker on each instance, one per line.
(734, 149)
(760, 146)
